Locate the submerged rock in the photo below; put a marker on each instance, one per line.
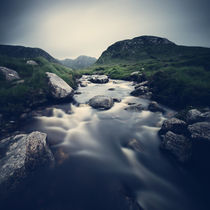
(20, 155)
(99, 79)
(155, 107)
(59, 89)
(200, 131)
(101, 102)
(178, 145)
(9, 74)
(175, 125)
(135, 108)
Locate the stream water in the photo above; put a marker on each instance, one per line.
(97, 166)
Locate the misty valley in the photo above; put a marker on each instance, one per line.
(127, 131)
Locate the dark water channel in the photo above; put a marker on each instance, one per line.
(97, 169)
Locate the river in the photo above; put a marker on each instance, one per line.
(107, 160)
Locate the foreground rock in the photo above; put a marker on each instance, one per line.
(59, 89)
(155, 107)
(101, 102)
(200, 131)
(21, 155)
(99, 79)
(175, 125)
(9, 74)
(177, 145)
(195, 115)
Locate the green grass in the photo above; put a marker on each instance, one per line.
(178, 82)
(16, 97)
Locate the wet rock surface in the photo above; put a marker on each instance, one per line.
(59, 89)
(155, 107)
(101, 102)
(20, 155)
(177, 145)
(99, 79)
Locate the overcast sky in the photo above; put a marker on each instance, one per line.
(67, 28)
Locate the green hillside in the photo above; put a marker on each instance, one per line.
(31, 90)
(179, 75)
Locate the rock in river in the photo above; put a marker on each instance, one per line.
(200, 131)
(99, 79)
(20, 155)
(155, 107)
(178, 145)
(9, 74)
(101, 102)
(59, 89)
(175, 125)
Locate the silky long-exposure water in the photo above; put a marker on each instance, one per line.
(107, 159)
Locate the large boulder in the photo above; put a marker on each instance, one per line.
(175, 125)
(101, 102)
(178, 145)
(200, 131)
(9, 74)
(59, 89)
(20, 155)
(99, 79)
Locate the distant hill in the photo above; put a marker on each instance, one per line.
(148, 47)
(79, 63)
(24, 52)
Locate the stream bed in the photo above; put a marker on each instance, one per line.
(106, 159)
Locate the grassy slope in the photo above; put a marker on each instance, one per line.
(16, 97)
(177, 81)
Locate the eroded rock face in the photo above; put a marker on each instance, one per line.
(101, 102)
(200, 131)
(21, 155)
(99, 79)
(178, 145)
(9, 74)
(175, 125)
(59, 89)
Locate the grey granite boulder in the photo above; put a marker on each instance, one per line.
(101, 102)
(175, 125)
(20, 155)
(200, 131)
(59, 89)
(9, 74)
(99, 79)
(178, 145)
